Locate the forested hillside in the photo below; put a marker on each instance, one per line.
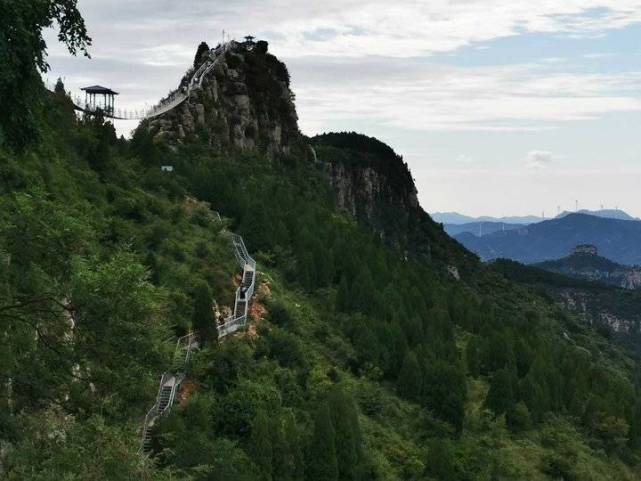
(370, 354)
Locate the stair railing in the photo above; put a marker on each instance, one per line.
(244, 294)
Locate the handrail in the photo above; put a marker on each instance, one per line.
(238, 320)
(187, 343)
(173, 101)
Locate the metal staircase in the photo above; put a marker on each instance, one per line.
(245, 291)
(171, 380)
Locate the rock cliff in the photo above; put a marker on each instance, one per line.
(245, 102)
(584, 262)
(374, 184)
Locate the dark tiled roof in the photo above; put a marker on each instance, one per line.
(99, 89)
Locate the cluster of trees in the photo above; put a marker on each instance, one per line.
(23, 57)
(401, 319)
(101, 258)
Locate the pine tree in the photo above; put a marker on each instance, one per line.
(499, 353)
(473, 357)
(342, 296)
(348, 435)
(410, 379)
(634, 420)
(261, 445)
(500, 397)
(322, 464)
(445, 390)
(202, 316)
(441, 463)
(295, 458)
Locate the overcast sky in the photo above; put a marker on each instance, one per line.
(500, 107)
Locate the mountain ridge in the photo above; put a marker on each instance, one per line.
(618, 240)
(587, 264)
(370, 353)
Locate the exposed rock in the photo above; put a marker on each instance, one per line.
(585, 249)
(245, 103)
(453, 271)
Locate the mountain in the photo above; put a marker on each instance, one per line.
(369, 344)
(617, 240)
(605, 213)
(585, 263)
(244, 102)
(479, 228)
(456, 218)
(614, 311)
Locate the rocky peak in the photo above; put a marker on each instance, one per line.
(245, 102)
(585, 250)
(367, 176)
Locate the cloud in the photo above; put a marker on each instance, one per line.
(367, 59)
(427, 97)
(538, 158)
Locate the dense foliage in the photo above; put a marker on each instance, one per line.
(362, 362)
(23, 57)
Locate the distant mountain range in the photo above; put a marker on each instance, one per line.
(617, 240)
(479, 228)
(584, 262)
(605, 213)
(456, 218)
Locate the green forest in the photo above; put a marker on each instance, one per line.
(365, 359)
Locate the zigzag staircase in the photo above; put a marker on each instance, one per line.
(171, 380)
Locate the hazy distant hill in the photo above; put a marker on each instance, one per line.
(617, 240)
(456, 218)
(605, 213)
(479, 228)
(585, 263)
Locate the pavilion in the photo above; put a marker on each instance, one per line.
(99, 97)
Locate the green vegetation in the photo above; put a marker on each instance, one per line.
(369, 363)
(23, 56)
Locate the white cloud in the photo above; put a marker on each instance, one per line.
(430, 97)
(538, 158)
(367, 59)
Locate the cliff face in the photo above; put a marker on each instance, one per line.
(373, 184)
(365, 192)
(369, 178)
(585, 263)
(245, 102)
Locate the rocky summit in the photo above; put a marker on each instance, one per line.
(245, 101)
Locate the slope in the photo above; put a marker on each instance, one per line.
(365, 357)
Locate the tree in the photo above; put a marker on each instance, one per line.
(410, 378)
(202, 315)
(261, 445)
(261, 47)
(322, 464)
(500, 397)
(499, 352)
(473, 356)
(288, 462)
(23, 53)
(349, 452)
(342, 296)
(441, 463)
(518, 417)
(202, 49)
(445, 390)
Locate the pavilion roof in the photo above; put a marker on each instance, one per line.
(99, 89)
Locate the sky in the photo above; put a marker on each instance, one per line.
(499, 107)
